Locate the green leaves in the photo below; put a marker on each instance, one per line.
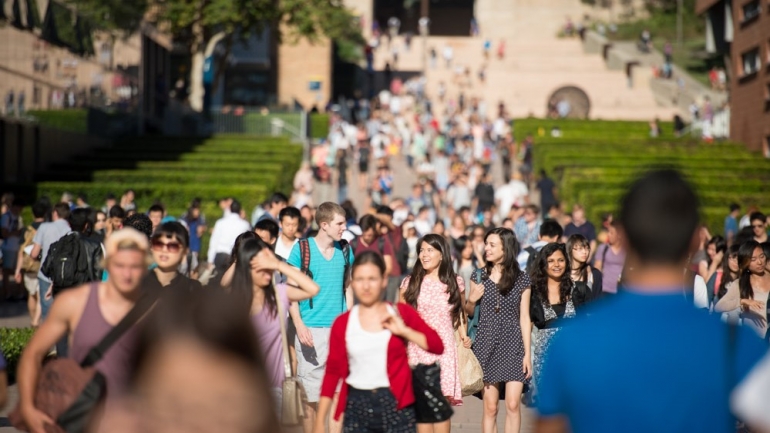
(12, 343)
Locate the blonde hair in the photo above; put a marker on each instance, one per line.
(326, 212)
(126, 239)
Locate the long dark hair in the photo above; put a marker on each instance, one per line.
(540, 274)
(574, 240)
(459, 245)
(510, 266)
(719, 244)
(243, 237)
(726, 272)
(446, 275)
(243, 284)
(744, 261)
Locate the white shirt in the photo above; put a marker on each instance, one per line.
(749, 400)
(367, 354)
(282, 250)
(700, 293)
(226, 230)
(509, 194)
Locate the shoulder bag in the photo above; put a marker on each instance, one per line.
(471, 375)
(294, 397)
(69, 392)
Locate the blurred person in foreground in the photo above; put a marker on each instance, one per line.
(86, 314)
(646, 360)
(196, 335)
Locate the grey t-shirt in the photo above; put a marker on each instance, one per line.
(47, 234)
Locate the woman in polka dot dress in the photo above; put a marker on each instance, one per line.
(502, 343)
(437, 294)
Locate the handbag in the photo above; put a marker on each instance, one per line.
(430, 406)
(69, 392)
(294, 397)
(471, 375)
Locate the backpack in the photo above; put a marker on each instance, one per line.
(530, 259)
(29, 264)
(304, 252)
(66, 265)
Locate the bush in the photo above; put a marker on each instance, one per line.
(594, 161)
(75, 120)
(319, 125)
(12, 343)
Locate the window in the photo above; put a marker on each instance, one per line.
(751, 62)
(751, 10)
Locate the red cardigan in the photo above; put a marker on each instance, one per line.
(399, 372)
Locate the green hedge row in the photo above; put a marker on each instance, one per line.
(319, 125)
(75, 120)
(267, 176)
(594, 161)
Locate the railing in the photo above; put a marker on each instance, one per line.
(255, 121)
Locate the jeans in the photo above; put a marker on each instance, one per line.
(342, 193)
(45, 301)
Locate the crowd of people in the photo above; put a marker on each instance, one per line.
(352, 301)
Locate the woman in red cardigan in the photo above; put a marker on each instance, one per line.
(367, 349)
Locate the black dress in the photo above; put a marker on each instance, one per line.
(499, 345)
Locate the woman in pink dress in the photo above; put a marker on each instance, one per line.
(437, 293)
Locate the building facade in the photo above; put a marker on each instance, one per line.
(740, 30)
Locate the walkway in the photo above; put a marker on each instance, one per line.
(536, 63)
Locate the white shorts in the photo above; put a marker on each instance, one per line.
(31, 283)
(311, 362)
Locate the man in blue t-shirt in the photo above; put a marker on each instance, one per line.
(313, 318)
(645, 360)
(731, 223)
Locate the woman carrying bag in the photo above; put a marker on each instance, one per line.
(268, 303)
(367, 350)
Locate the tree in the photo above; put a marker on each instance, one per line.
(117, 18)
(197, 22)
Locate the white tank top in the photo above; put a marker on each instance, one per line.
(367, 354)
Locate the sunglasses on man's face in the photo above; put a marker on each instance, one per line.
(172, 247)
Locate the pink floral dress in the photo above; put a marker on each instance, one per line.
(434, 308)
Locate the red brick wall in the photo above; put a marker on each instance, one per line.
(750, 95)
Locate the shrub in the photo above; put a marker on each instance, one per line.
(12, 343)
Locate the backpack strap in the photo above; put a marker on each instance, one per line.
(346, 256)
(304, 252)
(145, 302)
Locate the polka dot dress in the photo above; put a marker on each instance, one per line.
(499, 346)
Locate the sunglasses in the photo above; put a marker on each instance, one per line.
(172, 247)
(758, 226)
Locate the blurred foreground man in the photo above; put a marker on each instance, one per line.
(646, 361)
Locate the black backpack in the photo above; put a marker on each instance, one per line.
(66, 264)
(304, 252)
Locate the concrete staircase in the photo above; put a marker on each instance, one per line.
(536, 63)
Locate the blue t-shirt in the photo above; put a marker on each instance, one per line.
(644, 363)
(731, 225)
(328, 274)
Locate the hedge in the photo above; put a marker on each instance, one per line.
(12, 343)
(75, 120)
(594, 161)
(319, 125)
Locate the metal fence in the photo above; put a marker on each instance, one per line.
(255, 121)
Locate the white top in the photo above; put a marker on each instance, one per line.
(700, 293)
(749, 400)
(281, 250)
(367, 354)
(226, 230)
(509, 194)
